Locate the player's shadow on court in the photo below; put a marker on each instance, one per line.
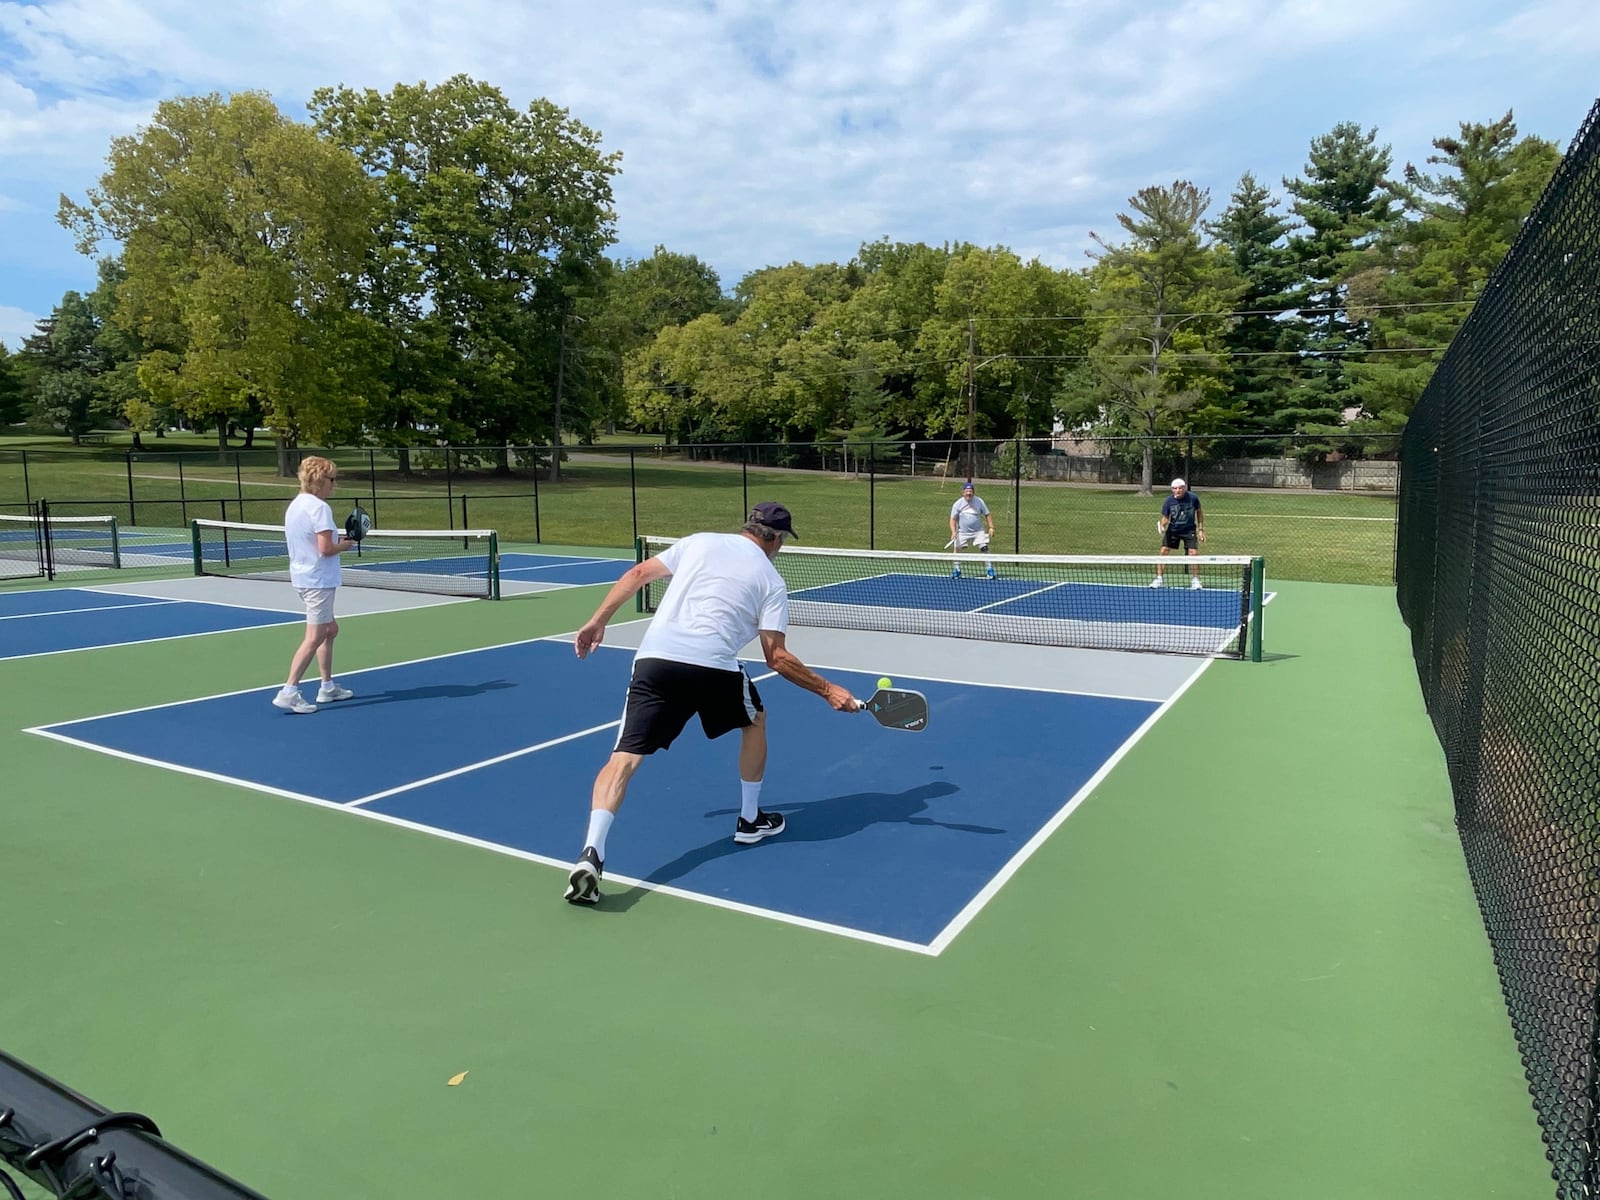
(815, 821)
(436, 691)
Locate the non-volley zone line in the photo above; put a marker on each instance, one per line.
(891, 835)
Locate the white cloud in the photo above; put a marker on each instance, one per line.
(15, 324)
(754, 133)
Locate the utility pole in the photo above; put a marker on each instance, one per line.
(561, 372)
(972, 395)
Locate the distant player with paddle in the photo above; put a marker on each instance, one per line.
(724, 593)
(1182, 525)
(971, 524)
(314, 547)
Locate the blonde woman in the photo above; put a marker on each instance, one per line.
(314, 548)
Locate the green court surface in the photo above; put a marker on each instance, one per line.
(1249, 966)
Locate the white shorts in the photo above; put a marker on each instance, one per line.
(980, 539)
(319, 604)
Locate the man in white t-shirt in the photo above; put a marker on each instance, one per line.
(314, 548)
(971, 524)
(724, 593)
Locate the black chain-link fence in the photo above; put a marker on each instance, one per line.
(1498, 577)
(1311, 514)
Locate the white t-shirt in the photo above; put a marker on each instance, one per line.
(969, 514)
(305, 517)
(723, 591)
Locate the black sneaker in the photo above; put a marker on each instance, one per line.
(583, 885)
(766, 824)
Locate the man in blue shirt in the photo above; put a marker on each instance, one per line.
(1182, 524)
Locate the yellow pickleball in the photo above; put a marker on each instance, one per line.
(886, 683)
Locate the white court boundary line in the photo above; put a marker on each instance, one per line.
(288, 617)
(91, 608)
(560, 566)
(1003, 876)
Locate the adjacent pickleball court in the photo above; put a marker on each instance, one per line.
(47, 620)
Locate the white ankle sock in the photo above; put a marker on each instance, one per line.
(749, 799)
(599, 826)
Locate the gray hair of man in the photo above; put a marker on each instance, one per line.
(762, 533)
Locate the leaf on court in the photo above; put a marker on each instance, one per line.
(455, 1079)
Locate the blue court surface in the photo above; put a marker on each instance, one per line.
(51, 620)
(1211, 608)
(893, 837)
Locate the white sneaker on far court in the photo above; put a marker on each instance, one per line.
(1194, 584)
(332, 693)
(1156, 582)
(290, 700)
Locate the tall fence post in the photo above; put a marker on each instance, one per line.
(27, 492)
(449, 486)
(744, 478)
(872, 495)
(633, 494)
(238, 480)
(538, 535)
(133, 515)
(183, 495)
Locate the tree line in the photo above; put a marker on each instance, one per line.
(430, 265)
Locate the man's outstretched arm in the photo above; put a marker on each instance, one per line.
(782, 660)
(636, 577)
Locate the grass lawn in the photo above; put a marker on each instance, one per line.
(606, 498)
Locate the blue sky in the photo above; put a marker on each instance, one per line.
(755, 133)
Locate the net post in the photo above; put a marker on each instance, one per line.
(46, 545)
(494, 564)
(116, 545)
(194, 542)
(1258, 579)
(638, 557)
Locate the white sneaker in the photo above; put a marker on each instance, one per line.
(290, 700)
(332, 693)
(1194, 585)
(1156, 582)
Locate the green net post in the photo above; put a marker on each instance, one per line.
(494, 564)
(116, 545)
(194, 540)
(1258, 583)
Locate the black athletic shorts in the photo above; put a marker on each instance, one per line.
(663, 695)
(1189, 540)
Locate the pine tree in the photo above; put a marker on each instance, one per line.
(1165, 296)
(1344, 201)
(1420, 279)
(1261, 347)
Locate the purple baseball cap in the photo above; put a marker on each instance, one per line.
(775, 516)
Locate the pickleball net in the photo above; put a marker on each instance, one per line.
(447, 562)
(1096, 602)
(37, 543)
